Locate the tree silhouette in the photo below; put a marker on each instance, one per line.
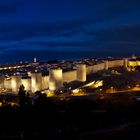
(22, 96)
(41, 100)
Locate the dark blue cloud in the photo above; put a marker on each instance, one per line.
(67, 26)
(9, 6)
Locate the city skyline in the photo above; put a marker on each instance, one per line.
(51, 29)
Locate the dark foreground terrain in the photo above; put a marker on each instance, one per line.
(114, 117)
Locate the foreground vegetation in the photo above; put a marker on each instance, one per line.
(110, 116)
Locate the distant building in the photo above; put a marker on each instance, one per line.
(134, 56)
(134, 62)
(35, 60)
(34, 63)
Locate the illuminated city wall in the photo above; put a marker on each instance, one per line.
(138, 63)
(70, 76)
(2, 81)
(7, 84)
(95, 68)
(102, 66)
(133, 63)
(36, 82)
(27, 84)
(45, 82)
(115, 63)
(106, 65)
(98, 67)
(15, 83)
(125, 62)
(81, 72)
(55, 79)
(89, 70)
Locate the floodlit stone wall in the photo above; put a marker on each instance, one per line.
(95, 68)
(15, 83)
(115, 63)
(2, 81)
(27, 84)
(7, 84)
(56, 77)
(70, 76)
(45, 82)
(81, 72)
(36, 82)
(104, 66)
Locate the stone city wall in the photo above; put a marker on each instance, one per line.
(26, 83)
(7, 84)
(70, 76)
(95, 68)
(37, 81)
(45, 82)
(102, 66)
(115, 63)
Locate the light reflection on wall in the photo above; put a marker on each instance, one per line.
(7, 84)
(55, 79)
(125, 62)
(106, 65)
(132, 63)
(27, 84)
(2, 81)
(81, 72)
(70, 76)
(45, 82)
(15, 83)
(36, 81)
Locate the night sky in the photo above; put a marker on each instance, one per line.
(68, 29)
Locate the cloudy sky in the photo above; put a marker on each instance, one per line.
(68, 29)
